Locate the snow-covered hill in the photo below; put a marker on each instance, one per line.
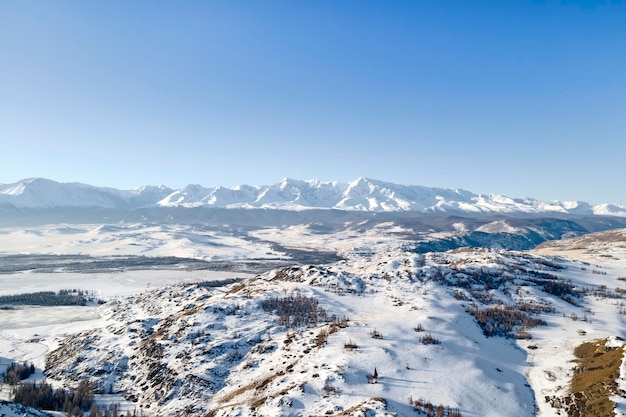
(482, 333)
(385, 331)
(362, 194)
(606, 247)
(8, 409)
(302, 238)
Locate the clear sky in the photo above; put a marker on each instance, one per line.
(521, 98)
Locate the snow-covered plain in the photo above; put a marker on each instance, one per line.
(217, 351)
(350, 242)
(136, 239)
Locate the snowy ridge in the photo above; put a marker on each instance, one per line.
(223, 351)
(43, 193)
(607, 247)
(8, 409)
(362, 194)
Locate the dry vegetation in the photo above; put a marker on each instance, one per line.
(431, 410)
(511, 320)
(296, 310)
(594, 381)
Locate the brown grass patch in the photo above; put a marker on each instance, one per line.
(596, 376)
(361, 408)
(594, 381)
(255, 402)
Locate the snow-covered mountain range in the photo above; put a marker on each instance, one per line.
(362, 194)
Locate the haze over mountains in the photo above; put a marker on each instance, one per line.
(363, 194)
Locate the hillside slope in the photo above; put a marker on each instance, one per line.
(8, 409)
(481, 333)
(604, 247)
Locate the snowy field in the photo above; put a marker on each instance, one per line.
(132, 240)
(107, 285)
(210, 244)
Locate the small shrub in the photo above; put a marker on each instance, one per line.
(373, 378)
(376, 334)
(459, 295)
(350, 345)
(428, 339)
(338, 323)
(329, 389)
(322, 337)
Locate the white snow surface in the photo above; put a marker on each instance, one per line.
(17, 410)
(217, 350)
(136, 239)
(363, 194)
(499, 226)
(172, 346)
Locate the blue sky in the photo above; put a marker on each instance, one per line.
(522, 98)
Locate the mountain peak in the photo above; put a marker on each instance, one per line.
(362, 194)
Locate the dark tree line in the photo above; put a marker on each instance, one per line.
(111, 411)
(43, 397)
(295, 310)
(49, 298)
(17, 372)
(428, 408)
(503, 320)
